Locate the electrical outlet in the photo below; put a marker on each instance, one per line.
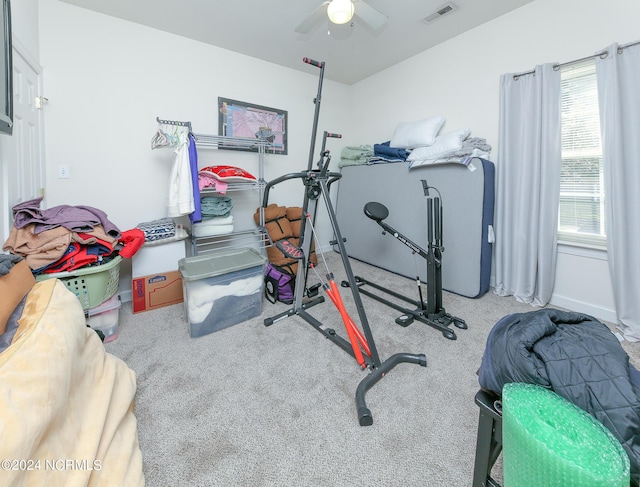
(64, 172)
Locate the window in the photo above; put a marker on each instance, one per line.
(582, 204)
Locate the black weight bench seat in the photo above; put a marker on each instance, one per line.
(489, 443)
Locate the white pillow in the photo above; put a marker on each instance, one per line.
(443, 145)
(416, 134)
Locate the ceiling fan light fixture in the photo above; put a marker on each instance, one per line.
(340, 11)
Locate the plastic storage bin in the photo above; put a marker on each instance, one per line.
(222, 289)
(105, 318)
(92, 285)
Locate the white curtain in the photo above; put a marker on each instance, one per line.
(618, 77)
(528, 185)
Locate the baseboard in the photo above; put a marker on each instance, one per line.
(598, 312)
(126, 296)
(328, 248)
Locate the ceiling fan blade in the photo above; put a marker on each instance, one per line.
(369, 15)
(310, 22)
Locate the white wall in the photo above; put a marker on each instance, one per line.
(107, 80)
(24, 20)
(459, 79)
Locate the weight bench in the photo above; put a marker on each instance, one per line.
(489, 443)
(432, 312)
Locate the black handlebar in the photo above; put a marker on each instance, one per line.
(331, 178)
(317, 64)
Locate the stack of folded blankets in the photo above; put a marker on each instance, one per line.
(355, 155)
(216, 217)
(420, 143)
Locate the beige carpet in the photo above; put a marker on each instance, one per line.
(275, 406)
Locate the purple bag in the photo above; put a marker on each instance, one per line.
(279, 285)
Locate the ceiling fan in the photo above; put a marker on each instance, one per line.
(341, 12)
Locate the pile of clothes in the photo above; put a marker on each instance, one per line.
(66, 238)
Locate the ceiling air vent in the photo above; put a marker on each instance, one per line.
(444, 10)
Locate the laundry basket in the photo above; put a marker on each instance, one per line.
(92, 285)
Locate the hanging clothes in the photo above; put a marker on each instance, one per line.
(180, 180)
(196, 216)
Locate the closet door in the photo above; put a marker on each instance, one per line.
(23, 166)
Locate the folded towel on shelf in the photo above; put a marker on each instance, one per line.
(204, 230)
(216, 206)
(211, 227)
(217, 220)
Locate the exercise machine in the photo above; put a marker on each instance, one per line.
(432, 312)
(359, 343)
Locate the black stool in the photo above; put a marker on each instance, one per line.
(489, 444)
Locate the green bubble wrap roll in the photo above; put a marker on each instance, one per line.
(549, 441)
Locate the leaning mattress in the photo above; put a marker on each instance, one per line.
(467, 199)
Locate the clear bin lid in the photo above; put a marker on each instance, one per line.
(109, 304)
(219, 262)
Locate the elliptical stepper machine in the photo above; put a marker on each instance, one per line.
(360, 344)
(432, 312)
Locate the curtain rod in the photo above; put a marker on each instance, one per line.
(601, 55)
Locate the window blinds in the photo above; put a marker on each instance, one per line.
(581, 211)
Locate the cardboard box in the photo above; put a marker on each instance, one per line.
(156, 291)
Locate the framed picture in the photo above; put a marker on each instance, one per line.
(240, 119)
